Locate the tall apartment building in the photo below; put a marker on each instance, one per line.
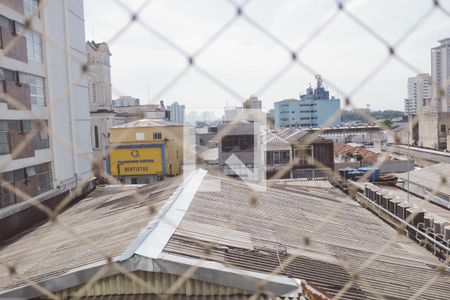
(253, 103)
(419, 94)
(314, 109)
(440, 74)
(287, 113)
(126, 101)
(177, 112)
(100, 100)
(44, 109)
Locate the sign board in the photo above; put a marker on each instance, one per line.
(136, 161)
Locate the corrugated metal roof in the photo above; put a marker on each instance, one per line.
(285, 216)
(273, 139)
(106, 223)
(317, 183)
(430, 177)
(266, 228)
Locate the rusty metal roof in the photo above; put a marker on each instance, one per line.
(235, 233)
(281, 222)
(100, 226)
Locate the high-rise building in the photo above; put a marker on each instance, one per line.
(253, 103)
(440, 74)
(410, 107)
(287, 113)
(314, 109)
(44, 106)
(419, 94)
(125, 101)
(176, 112)
(100, 101)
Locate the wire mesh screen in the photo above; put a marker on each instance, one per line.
(267, 201)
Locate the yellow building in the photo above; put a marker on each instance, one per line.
(144, 150)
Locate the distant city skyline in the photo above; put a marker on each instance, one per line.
(245, 60)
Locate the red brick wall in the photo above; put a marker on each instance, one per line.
(18, 50)
(17, 96)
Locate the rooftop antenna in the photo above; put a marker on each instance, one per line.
(319, 80)
(148, 93)
(93, 37)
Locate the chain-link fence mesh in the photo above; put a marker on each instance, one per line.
(242, 13)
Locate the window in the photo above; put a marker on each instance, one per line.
(25, 126)
(37, 88)
(4, 138)
(6, 195)
(140, 136)
(443, 128)
(157, 135)
(269, 157)
(31, 7)
(284, 156)
(41, 140)
(96, 143)
(18, 175)
(34, 43)
(277, 157)
(237, 143)
(30, 172)
(94, 93)
(304, 156)
(44, 177)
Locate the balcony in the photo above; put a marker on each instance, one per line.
(16, 95)
(16, 5)
(27, 149)
(14, 45)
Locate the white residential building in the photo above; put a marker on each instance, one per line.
(176, 112)
(126, 101)
(419, 94)
(440, 74)
(100, 101)
(42, 86)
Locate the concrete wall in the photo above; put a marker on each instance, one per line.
(68, 94)
(433, 130)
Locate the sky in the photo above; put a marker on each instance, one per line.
(241, 60)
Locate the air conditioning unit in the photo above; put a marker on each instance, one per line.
(373, 193)
(379, 196)
(386, 199)
(415, 216)
(447, 234)
(401, 209)
(394, 203)
(439, 226)
(429, 221)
